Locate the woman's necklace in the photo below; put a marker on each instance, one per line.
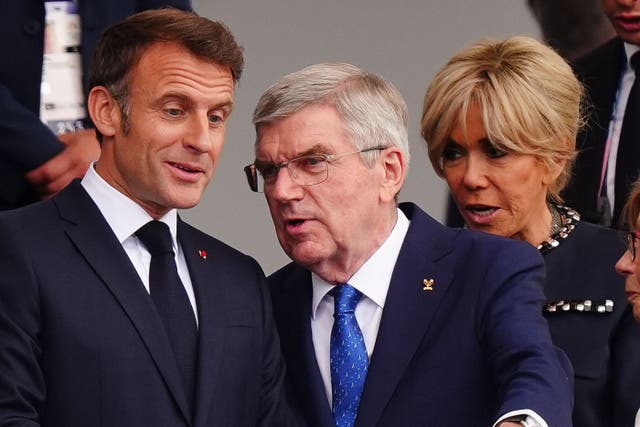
(563, 221)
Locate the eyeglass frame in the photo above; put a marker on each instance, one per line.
(631, 238)
(251, 171)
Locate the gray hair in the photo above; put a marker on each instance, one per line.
(373, 110)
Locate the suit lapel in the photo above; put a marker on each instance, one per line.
(297, 341)
(600, 72)
(90, 233)
(211, 313)
(602, 78)
(408, 311)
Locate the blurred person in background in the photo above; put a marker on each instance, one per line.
(571, 27)
(46, 135)
(627, 265)
(608, 160)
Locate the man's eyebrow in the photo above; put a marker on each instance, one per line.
(313, 150)
(174, 96)
(225, 104)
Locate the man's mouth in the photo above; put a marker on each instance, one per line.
(185, 168)
(628, 21)
(295, 225)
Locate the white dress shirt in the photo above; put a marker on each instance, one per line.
(125, 217)
(615, 125)
(372, 280)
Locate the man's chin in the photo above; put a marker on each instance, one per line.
(184, 204)
(185, 199)
(631, 37)
(306, 254)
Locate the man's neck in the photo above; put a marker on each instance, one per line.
(343, 265)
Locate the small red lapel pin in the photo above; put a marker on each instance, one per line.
(202, 253)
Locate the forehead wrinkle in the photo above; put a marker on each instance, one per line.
(199, 73)
(175, 82)
(174, 66)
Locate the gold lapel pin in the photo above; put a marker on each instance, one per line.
(428, 284)
(202, 253)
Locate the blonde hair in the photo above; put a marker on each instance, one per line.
(528, 96)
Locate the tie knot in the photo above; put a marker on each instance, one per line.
(345, 298)
(156, 237)
(635, 63)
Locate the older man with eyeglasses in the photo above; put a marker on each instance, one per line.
(386, 317)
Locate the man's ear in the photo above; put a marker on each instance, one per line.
(394, 165)
(104, 111)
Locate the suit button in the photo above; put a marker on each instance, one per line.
(32, 27)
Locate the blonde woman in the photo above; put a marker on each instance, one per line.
(500, 121)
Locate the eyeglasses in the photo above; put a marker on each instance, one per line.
(632, 238)
(305, 170)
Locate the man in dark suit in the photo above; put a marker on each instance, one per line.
(114, 312)
(433, 326)
(34, 162)
(609, 153)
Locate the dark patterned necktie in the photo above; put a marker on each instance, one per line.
(172, 302)
(349, 360)
(628, 159)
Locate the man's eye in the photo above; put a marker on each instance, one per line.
(174, 112)
(216, 118)
(268, 171)
(311, 163)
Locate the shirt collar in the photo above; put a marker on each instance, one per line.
(629, 50)
(123, 215)
(374, 277)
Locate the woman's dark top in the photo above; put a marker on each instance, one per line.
(590, 319)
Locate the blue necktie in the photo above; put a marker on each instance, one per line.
(349, 360)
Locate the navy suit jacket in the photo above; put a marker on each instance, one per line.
(26, 143)
(81, 343)
(471, 350)
(600, 72)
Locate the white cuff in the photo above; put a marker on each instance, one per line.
(530, 418)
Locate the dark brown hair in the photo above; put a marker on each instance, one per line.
(122, 45)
